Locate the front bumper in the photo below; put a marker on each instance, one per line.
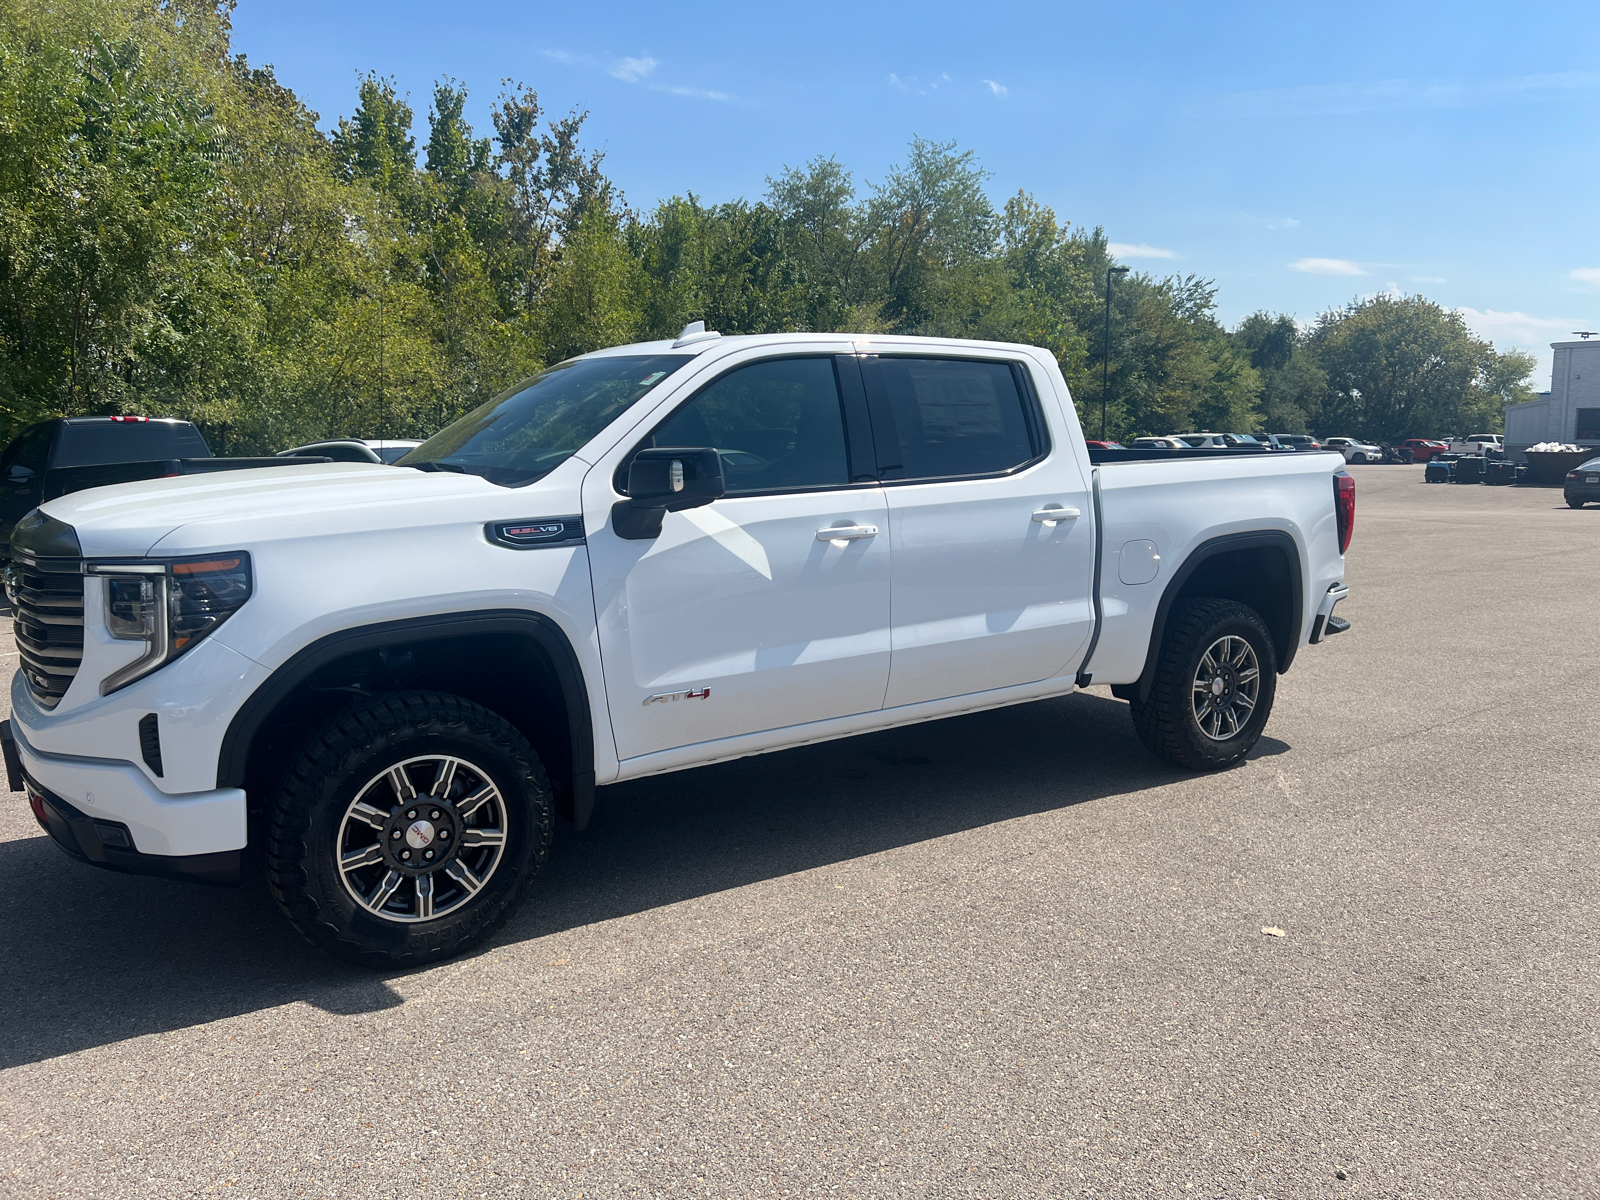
(109, 844)
(88, 793)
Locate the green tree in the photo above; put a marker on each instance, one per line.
(1292, 384)
(1402, 366)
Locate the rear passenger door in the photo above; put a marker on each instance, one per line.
(989, 589)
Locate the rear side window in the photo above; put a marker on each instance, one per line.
(945, 418)
(99, 443)
(777, 424)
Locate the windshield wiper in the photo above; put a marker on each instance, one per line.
(439, 466)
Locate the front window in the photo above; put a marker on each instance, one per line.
(776, 423)
(531, 429)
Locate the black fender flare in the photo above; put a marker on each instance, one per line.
(1276, 539)
(234, 756)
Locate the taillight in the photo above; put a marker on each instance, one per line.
(1572, 474)
(1344, 508)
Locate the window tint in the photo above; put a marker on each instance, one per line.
(950, 417)
(100, 443)
(777, 424)
(26, 455)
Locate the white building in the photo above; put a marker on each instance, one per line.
(1570, 410)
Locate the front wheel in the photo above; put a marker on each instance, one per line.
(1216, 676)
(407, 829)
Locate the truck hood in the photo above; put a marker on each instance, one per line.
(201, 512)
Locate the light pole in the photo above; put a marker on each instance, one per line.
(1105, 363)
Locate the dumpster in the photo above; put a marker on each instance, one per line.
(1548, 468)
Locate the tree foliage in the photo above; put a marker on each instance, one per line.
(178, 236)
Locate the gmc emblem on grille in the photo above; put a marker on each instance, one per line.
(664, 697)
(536, 532)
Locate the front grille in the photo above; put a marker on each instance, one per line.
(47, 603)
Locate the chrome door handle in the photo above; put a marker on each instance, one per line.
(847, 533)
(1050, 514)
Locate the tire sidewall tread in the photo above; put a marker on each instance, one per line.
(322, 778)
(1165, 722)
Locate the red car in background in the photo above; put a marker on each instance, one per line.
(1096, 444)
(1422, 449)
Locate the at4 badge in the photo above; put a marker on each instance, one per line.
(663, 697)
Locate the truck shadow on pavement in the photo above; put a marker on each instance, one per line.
(92, 957)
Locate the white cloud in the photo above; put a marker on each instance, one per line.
(1518, 327)
(1587, 275)
(1286, 223)
(631, 70)
(999, 89)
(697, 93)
(1139, 250)
(1326, 266)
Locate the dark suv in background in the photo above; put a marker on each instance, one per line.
(55, 457)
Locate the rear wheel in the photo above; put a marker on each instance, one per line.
(407, 829)
(1216, 677)
(1574, 502)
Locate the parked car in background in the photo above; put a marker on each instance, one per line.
(1354, 451)
(369, 450)
(1097, 444)
(1218, 441)
(69, 454)
(1292, 441)
(1583, 484)
(1157, 443)
(1478, 443)
(1422, 449)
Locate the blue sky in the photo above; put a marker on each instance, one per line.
(1300, 155)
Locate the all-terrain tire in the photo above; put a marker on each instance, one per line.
(1167, 722)
(337, 770)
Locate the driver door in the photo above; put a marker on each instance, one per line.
(743, 615)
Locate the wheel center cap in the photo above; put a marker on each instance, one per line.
(419, 835)
(1218, 686)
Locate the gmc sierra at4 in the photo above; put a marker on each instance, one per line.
(393, 678)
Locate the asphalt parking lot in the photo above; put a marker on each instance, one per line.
(1005, 955)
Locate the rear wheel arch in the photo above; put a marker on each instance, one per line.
(1261, 569)
(518, 664)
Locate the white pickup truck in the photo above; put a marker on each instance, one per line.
(393, 678)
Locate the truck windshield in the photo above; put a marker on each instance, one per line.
(531, 429)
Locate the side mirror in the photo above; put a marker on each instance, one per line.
(663, 480)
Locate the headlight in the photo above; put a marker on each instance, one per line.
(169, 605)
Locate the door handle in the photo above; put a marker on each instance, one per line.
(1052, 513)
(847, 533)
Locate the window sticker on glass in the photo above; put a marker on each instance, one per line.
(649, 379)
